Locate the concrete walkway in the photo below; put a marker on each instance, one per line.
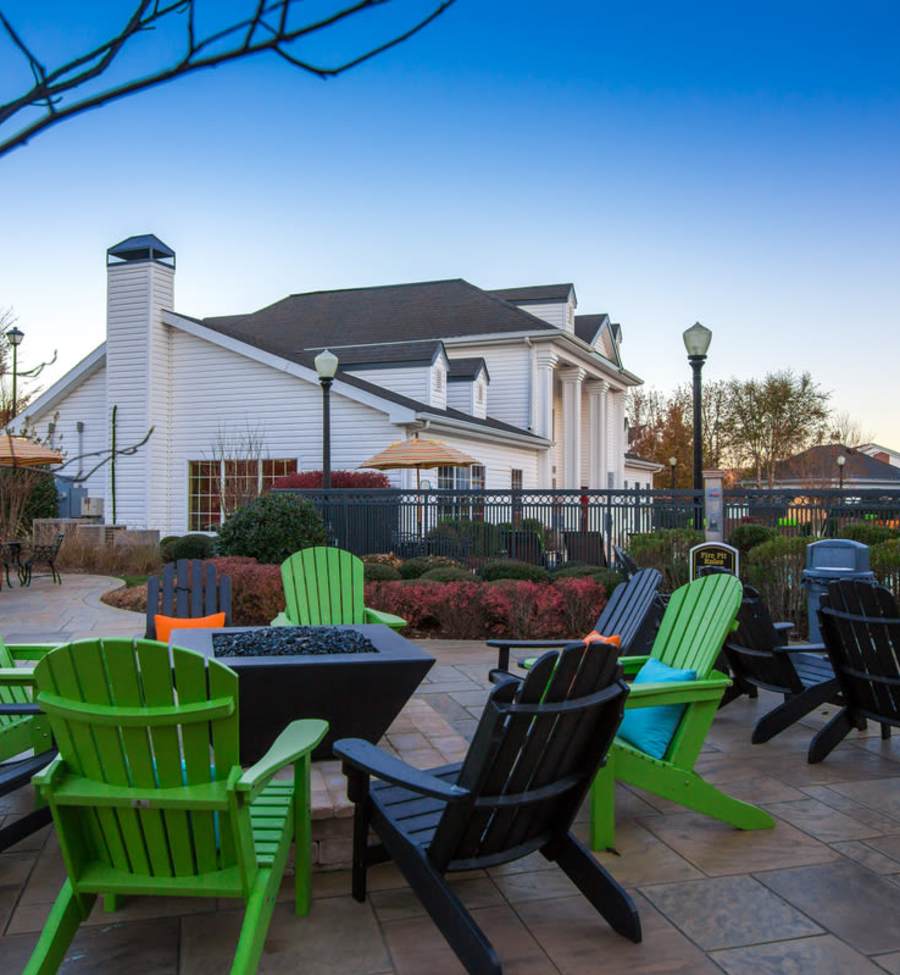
(44, 612)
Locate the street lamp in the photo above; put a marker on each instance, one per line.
(673, 463)
(326, 366)
(14, 336)
(841, 460)
(696, 341)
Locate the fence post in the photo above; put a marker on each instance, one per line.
(714, 504)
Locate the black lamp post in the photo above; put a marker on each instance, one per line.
(673, 463)
(14, 336)
(696, 341)
(326, 366)
(841, 461)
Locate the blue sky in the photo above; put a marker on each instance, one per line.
(736, 164)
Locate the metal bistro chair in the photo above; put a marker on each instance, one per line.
(42, 555)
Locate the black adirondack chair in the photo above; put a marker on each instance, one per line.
(861, 625)
(758, 657)
(188, 588)
(536, 749)
(632, 612)
(624, 563)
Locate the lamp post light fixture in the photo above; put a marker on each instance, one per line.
(326, 363)
(673, 463)
(696, 341)
(841, 461)
(14, 336)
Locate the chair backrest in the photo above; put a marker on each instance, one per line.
(9, 695)
(535, 751)
(861, 626)
(139, 721)
(632, 611)
(624, 563)
(187, 588)
(698, 618)
(752, 649)
(323, 586)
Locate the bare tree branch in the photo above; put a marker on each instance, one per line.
(268, 30)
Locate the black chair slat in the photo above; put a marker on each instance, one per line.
(182, 586)
(195, 573)
(189, 588)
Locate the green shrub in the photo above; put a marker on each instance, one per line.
(666, 550)
(746, 537)
(271, 528)
(413, 568)
(378, 572)
(175, 547)
(775, 568)
(537, 526)
(478, 538)
(885, 561)
(511, 569)
(447, 573)
(865, 532)
(576, 570)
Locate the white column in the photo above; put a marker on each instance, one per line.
(545, 362)
(571, 403)
(597, 419)
(617, 445)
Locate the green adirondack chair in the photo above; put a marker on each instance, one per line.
(25, 742)
(697, 619)
(324, 587)
(147, 796)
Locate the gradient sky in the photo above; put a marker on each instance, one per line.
(733, 163)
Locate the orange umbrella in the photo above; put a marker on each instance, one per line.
(419, 453)
(21, 452)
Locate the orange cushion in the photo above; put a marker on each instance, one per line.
(165, 624)
(595, 637)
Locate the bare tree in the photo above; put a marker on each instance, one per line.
(198, 42)
(9, 409)
(847, 430)
(237, 453)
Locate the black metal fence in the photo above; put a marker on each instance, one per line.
(554, 527)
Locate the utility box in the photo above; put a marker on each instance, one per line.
(830, 559)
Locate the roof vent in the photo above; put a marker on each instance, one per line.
(144, 247)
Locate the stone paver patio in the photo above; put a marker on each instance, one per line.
(819, 894)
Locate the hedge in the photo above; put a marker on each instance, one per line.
(512, 569)
(885, 562)
(380, 572)
(775, 568)
(413, 568)
(271, 528)
(666, 550)
(748, 536)
(175, 547)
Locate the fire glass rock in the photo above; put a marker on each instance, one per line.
(284, 641)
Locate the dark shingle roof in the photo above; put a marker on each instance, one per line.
(587, 326)
(362, 316)
(535, 292)
(820, 463)
(467, 368)
(392, 354)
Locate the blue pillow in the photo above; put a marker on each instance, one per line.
(651, 729)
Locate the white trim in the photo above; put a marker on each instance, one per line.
(643, 465)
(395, 412)
(476, 431)
(62, 387)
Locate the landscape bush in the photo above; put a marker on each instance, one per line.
(666, 550)
(380, 572)
(748, 536)
(384, 558)
(271, 527)
(775, 568)
(447, 573)
(511, 569)
(364, 480)
(413, 568)
(475, 538)
(884, 559)
(866, 532)
(477, 610)
(175, 547)
(108, 560)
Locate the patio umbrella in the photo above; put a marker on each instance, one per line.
(419, 454)
(21, 452)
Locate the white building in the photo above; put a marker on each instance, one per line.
(512, 377)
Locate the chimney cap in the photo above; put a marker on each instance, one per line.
(143, 247)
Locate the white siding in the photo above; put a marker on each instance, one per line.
(215, 389)
(85, 404)
(438, 385)
(557, 313)
(509, 366)
(637, 477)
(411, 381)
(498, 461)
(460, 396)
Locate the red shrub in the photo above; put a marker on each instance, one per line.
(256, 593)
(339, 479)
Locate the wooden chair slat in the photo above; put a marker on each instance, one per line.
(182, 588)
(195, 569)
(323, 586)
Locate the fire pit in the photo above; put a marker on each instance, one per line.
(358, 678)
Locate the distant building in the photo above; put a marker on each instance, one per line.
(818, 468)
(879, 452)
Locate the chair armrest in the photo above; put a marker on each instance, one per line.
(365, 757)
(631, 665)
(281, 620)
(801, 648)
(48, 776)
(16, 676)
(783, 626)
(30, 651)
(22, 708)
(529, 644)
(298, 739)
(379, 616)
(676, 692)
